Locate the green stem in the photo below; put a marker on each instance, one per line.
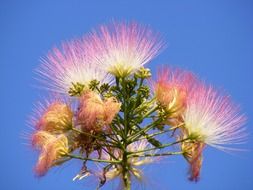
(117, 132)
(124, 163)
(138, 97)
(108, 152)
(155, 134)
(125, 102)
(93, 159)
(125, 172)
(150, 112)
(161, 132)
(144, 130)
(160, 147)
(159, 154)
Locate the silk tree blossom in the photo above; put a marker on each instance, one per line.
(52, 149)
(68, 66)
(123, 48)
(40, 138)
(209, 119)
(95, 114)
(171, 90)
(213, 119)
(111, 107)
(54, 116)
(115, 128)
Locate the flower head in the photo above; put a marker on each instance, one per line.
(94, 113)
(91, 111)
(171, 90)
(123, 48)
(209, 119)
(213, 119)
(112, 107)
(40, 139)
(70, 66)
(54, 116)
(53, 148)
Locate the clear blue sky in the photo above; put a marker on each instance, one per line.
(214, 39)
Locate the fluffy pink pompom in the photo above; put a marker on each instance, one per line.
(213, 118)
(54, 149)
(112, 107)
(70, 64)
(94, 113)
(91, 111)
(56, 118)
(122, 48)
(171, 91)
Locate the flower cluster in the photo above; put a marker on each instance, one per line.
(111, 114)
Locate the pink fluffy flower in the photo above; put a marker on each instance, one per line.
(54, 116)
(172, 88)
(91, 112)
(52, 148)
(95, 113)
(209, 119)
(40, 138)
(213, 118)
(112, 107)
(70, 65)
(122, 48)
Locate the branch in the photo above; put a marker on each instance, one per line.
(143, 130)
(160, 147)
(159, 154)
(93, 159)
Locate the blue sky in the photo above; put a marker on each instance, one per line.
(214, 39)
